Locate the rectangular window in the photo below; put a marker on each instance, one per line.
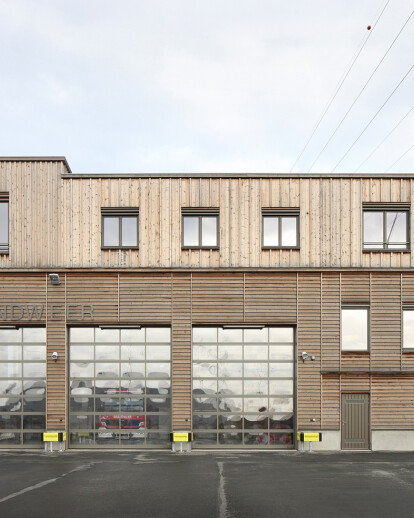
(280, 228)
(408, 328)
(119, 227)
(4, 223)
(200, 229)
(354, 329)
(386, 227)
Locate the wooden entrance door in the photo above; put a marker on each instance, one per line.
(355, 422)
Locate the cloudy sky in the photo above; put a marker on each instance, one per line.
(212, 86)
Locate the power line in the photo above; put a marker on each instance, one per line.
(398, 159)
(369, 123)
(341, 82)
(360, 93)
(384, 139)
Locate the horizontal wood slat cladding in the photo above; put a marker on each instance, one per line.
(19, 290)
(56, 222)
(145, 297)
(355, 288)
(408, 288)
(385, 321)
(217, 298)
(392, 402)
(100, 290)
(331, 321)
(270, 298)
(181, 353)
(331, 415)
(309, 340)
(56, 370)
(355, 382)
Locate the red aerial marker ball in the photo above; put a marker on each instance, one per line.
(369, 28)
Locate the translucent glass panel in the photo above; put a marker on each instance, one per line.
(200, 231)
(354, 329)
(120, 386)
(243, 387)
(408, 329)
(280, 231)
(120, 231)
(385, 229)
(22, 386)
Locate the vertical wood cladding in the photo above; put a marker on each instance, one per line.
(181, 352)
(309, 340)
(68, 212)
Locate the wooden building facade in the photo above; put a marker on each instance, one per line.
(240, 342)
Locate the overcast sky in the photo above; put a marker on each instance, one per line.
(204, 86)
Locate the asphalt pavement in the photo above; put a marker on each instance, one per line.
(206, 484)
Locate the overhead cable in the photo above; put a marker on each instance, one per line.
(372, 119)
(340, 83)
(360, 93)
(384, 139)
(399, 158)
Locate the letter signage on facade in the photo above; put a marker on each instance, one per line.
(37, 312)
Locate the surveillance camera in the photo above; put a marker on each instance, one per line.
(304, 355)
(54, 356)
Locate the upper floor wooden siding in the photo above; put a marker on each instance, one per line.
(55, 221)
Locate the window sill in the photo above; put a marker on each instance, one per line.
(408, 351)
(200, 248)
(359, 353)
(386, 250)
(120, 248)
(280, 247)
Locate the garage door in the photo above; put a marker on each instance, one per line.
(120, 387)
(22, 387)
(243, 387)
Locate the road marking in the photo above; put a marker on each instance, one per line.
(222, 498)
(83, 467)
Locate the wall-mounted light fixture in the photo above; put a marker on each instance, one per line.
(54, 279)
(304, 356)
(54, 356)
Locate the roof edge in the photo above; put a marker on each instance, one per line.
(396, 176)
(37, 159)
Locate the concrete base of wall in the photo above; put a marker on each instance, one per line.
(392, 440)
(331, 441)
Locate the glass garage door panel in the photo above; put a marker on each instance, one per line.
(243, 387)
(22, 387)
(120, 387)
